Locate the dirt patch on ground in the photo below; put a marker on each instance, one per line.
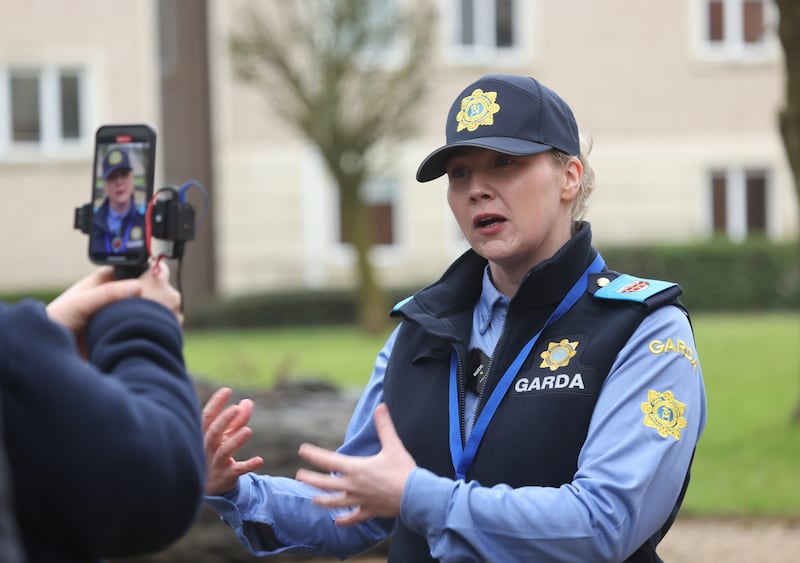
(729, 540)
(734, 540)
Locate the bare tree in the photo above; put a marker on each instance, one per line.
(789, 33)
(347, 74)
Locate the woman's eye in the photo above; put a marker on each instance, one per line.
(457, 172)
(503, 161)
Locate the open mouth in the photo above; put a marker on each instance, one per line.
(487, 221)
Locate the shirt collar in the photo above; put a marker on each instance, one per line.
(114, 215)
(490, 300)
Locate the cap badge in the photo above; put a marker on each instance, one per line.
(115, 157)
(477, 109)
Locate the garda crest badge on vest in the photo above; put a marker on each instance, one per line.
(558, 354)
(664, 413)
(560, 371)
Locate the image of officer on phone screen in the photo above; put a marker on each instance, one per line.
(118, 225)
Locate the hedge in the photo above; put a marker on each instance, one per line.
(717, 276)
(720, 276)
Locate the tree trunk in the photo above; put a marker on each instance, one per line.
(372, 301)
(789, 118)
(789, 31)
(185, 137)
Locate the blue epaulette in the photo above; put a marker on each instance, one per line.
(614, 286)
(401, 303)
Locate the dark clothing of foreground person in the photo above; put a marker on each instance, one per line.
(10, 544)
(106, 456)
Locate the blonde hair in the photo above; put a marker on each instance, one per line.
(581, 203)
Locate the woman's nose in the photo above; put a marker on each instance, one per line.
(480, 187)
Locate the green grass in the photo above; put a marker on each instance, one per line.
(747, 462)
(258, 358)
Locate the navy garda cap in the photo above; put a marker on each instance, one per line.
(114, 160)
(511, 114)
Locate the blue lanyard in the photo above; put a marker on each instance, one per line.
(124, 239)
(463, 457)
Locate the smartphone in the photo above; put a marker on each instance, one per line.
(122, 185)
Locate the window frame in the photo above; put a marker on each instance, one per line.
(52, 140)
(733, 47)
(377, 192)
(484, 50)
(736, 213)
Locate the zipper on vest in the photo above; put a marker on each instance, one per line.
(462, 392)
(480, 401)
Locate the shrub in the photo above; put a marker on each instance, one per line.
(720, 275)
(716, 276)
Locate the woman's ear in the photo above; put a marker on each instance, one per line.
(573, 174)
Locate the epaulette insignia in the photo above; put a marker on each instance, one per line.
(664, 413)
(629, 288)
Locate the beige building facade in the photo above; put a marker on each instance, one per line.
(680, 99)
(65, 69)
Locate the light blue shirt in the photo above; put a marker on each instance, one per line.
(114, 220)
(628, 479)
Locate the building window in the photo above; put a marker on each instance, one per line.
(738, 27)
(380, 197)
(485, 26)
(382, 47)
(44, 106)
(739, 201)
(25, 124)
(70, 105)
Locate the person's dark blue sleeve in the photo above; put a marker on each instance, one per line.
(10, 544)
(107, 455)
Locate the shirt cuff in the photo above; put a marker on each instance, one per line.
(225, 506)
(425, 501)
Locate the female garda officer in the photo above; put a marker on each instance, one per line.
(118, 225)
(520, 411)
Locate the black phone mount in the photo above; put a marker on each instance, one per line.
(171, 220)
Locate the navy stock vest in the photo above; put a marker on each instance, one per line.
(537, 432)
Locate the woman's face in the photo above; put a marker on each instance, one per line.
(513, 210)
(119, 188)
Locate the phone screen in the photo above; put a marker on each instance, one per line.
(122, 185)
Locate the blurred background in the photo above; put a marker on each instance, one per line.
(305, 121)
(681, 99)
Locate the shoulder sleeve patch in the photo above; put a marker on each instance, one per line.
(664, 412)
(639, 290)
